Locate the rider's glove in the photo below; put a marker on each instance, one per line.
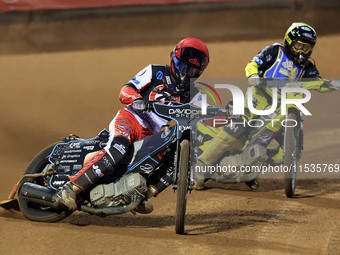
(254, 80)
(139, 104)
(335, 84)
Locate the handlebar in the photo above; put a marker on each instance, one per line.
(150, 104)
(280, 83)
(192, 112)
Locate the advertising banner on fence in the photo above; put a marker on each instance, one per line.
(24, 5)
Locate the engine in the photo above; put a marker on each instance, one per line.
(128, 189)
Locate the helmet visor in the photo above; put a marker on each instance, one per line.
(187, 70)
(301, 47)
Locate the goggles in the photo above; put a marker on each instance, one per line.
(191, 63)
(187, 70)
(301, 47)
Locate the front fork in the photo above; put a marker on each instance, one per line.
(299, 142)
(176, 163)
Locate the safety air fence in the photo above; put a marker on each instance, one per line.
(33, 5)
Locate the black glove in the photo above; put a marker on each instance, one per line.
(139, 104)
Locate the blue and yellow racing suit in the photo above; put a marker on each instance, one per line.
(271, 62)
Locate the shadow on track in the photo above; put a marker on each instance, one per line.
(196, 224)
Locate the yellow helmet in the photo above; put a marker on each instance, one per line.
(299, 41)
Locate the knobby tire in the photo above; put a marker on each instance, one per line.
(182, 186)
(290, 150)
(31, 210)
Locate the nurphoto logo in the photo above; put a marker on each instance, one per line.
(239, 99)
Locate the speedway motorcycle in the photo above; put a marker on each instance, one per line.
(289, 140)
(292, 137)
(49, 171)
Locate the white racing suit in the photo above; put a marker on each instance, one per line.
(152, 83)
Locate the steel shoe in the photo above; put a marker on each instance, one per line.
(144, 208)
(253, 184)
(67, 196)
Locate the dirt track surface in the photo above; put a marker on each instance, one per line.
(48, 95)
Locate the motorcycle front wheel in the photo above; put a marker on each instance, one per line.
(182, 186)
(34, 211)
(290, 155)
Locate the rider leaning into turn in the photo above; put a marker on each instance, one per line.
(189, 58)
(290, 61)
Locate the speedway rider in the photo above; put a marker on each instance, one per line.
(290, 61)
(189, 58)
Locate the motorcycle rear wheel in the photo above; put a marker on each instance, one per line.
(290, 156)
(182, 186)
(34, 211)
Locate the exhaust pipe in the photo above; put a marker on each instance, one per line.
(46, 197)
(113, 210)
(39, 194)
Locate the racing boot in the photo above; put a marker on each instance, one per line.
(253, 184)
(144, 208)
(221, 144)
(199, 183)
(67, 196)
(99, 164)
(157, 183)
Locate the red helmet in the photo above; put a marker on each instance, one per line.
(188, 60)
